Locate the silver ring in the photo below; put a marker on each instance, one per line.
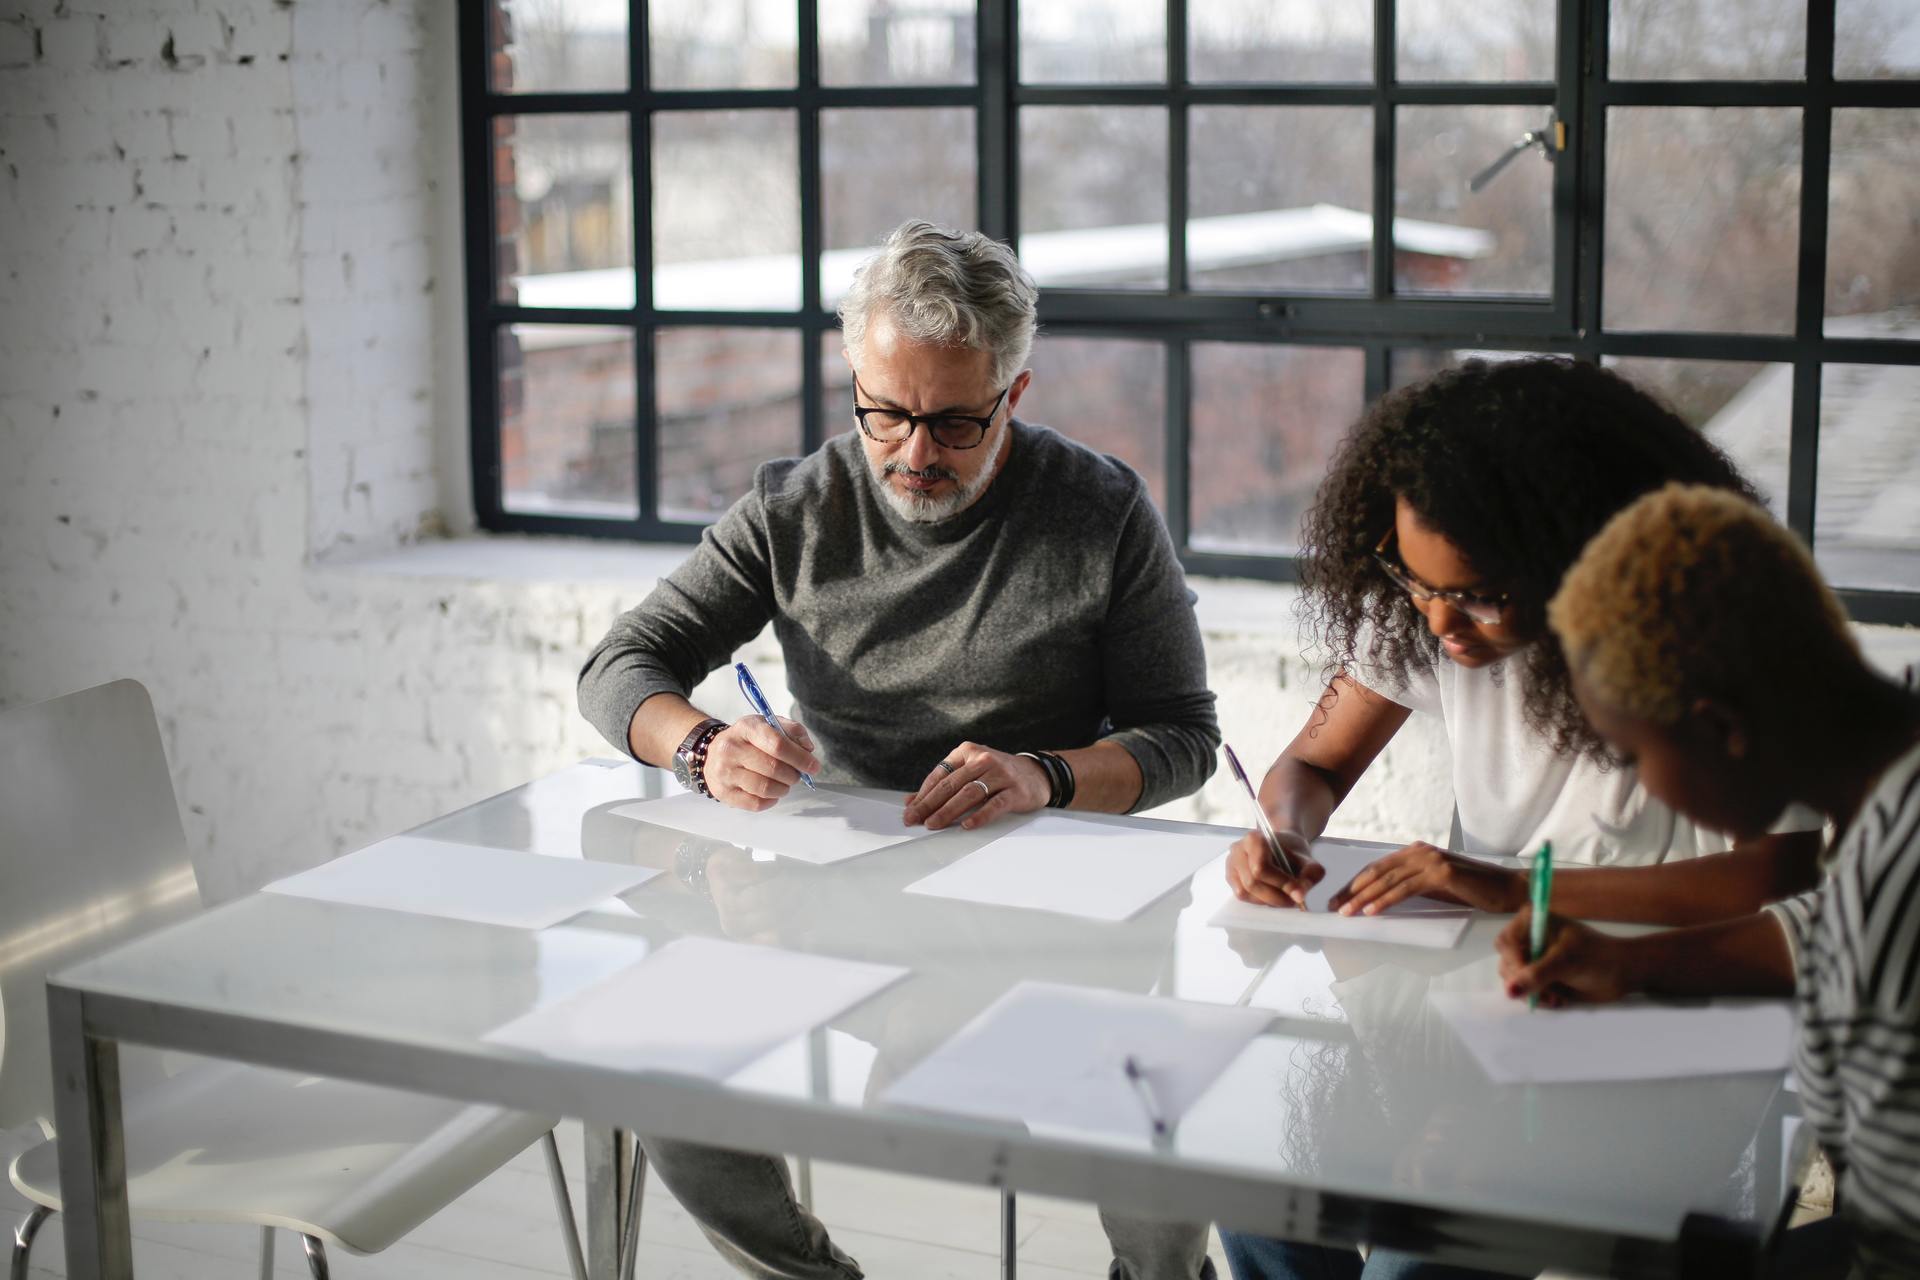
(985, 790)
(948, 765)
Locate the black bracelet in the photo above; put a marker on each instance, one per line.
(1064, 797)
(1059, 777)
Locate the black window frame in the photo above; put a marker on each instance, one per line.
(1376, 323)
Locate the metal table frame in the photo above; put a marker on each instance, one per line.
(87, 1027)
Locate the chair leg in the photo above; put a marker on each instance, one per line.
(569, 1229)
(23, 1240)
(630, 1222)
(316, 1257)
(266, 1253)
(1007, 1235)
(806, 1183)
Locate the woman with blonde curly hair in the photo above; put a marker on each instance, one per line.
(1705, 647)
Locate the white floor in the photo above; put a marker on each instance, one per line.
(898, 1228)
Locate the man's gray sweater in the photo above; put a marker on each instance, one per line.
(1050, 614)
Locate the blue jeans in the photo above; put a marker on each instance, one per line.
(1252, 1257)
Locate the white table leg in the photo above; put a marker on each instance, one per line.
(93, 1163)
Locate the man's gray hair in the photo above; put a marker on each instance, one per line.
(948, 288)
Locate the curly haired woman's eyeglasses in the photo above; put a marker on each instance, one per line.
(1488, 610)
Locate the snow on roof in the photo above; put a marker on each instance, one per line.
(771, 282)
(1867, 512)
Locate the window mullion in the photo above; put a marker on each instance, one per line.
(998, 154)
(646, 424)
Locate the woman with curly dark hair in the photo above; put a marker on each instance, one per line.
(1443, 528)
(1445, 523)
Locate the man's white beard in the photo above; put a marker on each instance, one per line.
(924, 508)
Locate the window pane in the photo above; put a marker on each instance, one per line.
(729, 400)
(1866, 517)
(1093, 195)
(1703, 218)
(556, 46)
(1707, 40)
(1448, 240)
(749, 44)
(726, 211)
(1876, 39)
(1093, 40)
(1305, 41)
(567, 438)
(1873, 253)
(1110, 395)
(563, 208)
(1281, 198)
(875, 42)
(1265, 423)
(1745, 408)
(1475, 40)
(928, 173)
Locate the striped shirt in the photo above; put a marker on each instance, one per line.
(1856, 954)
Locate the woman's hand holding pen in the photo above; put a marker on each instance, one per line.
(1576, 964)
(1256, 876)
(1421, 869)
(750, 766)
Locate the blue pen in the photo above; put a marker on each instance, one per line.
(758, 701)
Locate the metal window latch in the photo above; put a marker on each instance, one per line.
(1550, 138)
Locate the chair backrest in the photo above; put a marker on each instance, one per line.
(91, 855)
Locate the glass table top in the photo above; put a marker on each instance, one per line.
(1357, 1086)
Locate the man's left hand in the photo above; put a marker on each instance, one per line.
(972, 777)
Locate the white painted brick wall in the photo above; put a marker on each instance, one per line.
(230, 356)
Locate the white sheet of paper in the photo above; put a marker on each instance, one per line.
(1053, 1056)
(1416, 922)
(1090, 869)
(557, 803)
(1518, 1045)
(698, 1006)
(464, 882)
(817, 827)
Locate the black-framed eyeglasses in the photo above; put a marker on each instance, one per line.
(949, 430)
(1488, 610)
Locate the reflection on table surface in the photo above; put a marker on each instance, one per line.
(1357, 1086)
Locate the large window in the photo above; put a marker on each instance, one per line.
(1247, 220)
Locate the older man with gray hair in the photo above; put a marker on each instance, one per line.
(974, 610)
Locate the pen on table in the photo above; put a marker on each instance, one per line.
(758, 701)
(1274, 850)
(1540, 889)
(1144, 1091)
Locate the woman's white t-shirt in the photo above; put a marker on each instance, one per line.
(1513, 791)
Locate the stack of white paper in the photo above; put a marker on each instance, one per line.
(1414, 922)
(1094, 869)
(698, 1006)
(464, 882)
(1636, 1041)
(818, 827)
(1049, 1056)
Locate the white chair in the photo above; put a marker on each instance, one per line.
(92, 854)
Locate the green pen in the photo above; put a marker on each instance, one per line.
(1540, 887)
